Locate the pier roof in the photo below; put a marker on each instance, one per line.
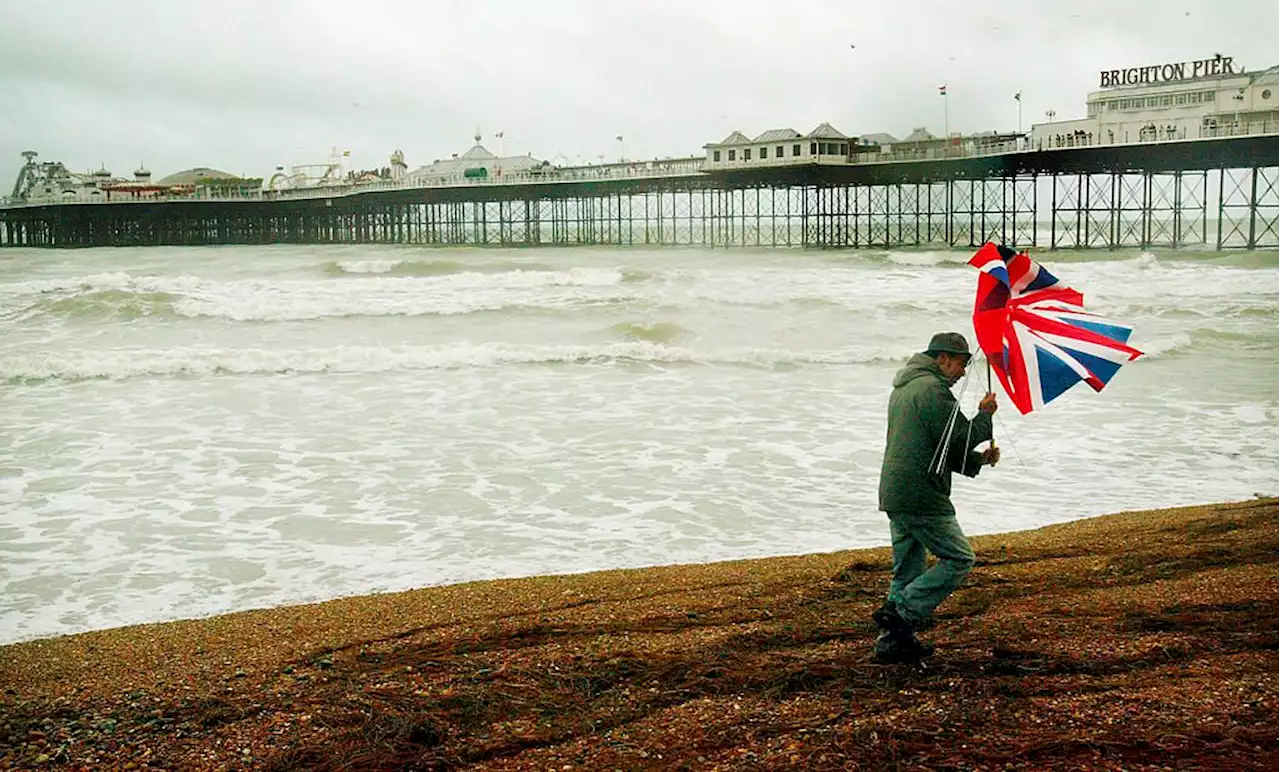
(1269, 75)
(920, 134)
(477, 153)
(477, 156)
(879, 138)
(190, 176)
(773, 135)
(825, 130)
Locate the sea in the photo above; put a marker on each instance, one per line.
(191, 431)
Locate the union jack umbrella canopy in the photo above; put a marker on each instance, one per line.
(1036, 334)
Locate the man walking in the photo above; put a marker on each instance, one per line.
(928, 438)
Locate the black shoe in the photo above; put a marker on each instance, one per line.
(888, 651)
(921, 648)
(895, 647)
(888, 618)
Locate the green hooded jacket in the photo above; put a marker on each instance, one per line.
(919, 409)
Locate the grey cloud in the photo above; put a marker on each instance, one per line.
(248, 85)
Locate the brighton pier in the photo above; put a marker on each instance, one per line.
(1173, 155)
(1214, 192)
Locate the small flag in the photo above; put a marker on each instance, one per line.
(500, 134)
(346, 152)
(1018, 96)
(942, 89)
(619, 137)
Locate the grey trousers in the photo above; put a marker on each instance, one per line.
(918, 592)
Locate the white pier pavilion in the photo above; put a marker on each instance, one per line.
(1183, 100)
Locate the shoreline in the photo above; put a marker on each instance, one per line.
(372, 596)
(1114, 627)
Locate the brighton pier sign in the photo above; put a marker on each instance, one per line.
(1163, 73)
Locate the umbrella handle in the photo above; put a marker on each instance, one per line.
(993, 434)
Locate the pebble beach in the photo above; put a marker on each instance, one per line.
(1141, 640)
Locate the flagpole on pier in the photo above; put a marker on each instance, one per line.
(946, 118)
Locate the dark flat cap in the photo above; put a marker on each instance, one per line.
(950, 342)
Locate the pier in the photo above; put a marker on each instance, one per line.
(1216, 192)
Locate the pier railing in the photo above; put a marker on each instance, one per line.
(675, 167)
(1157, 137)
(970, 149)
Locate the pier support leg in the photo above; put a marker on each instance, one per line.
(1253, 209)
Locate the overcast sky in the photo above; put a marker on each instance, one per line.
(246, 86)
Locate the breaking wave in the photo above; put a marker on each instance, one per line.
(120, 295)
(652, 332)
(424, 267)
(428, 268)
(124, 364)
(1203, 340)
(940, 259)
(637, 276)
(102, 305)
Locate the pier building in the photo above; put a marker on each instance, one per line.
(1180, 100)
(477, 162)
(825, 145)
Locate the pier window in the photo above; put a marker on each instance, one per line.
(1207, 96)
(1166, 100)
(1112, 104)
(746, 154)
(844, 148)
(733, 155)
(777, 153)
(813, 148)
(795, 150)
(1182, 99)
(715, 155)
